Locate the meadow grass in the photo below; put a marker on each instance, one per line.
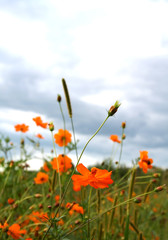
(64, 201)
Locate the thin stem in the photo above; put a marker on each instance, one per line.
(64, 124)
(74, 171)
(89, 212)
(73, 130)
(100, 215)
(59, 178)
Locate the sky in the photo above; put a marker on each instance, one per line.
(106, 51)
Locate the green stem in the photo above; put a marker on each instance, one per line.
(54, 173)
(100, 215)
(74, 171)
(89, 212)
(73, 130)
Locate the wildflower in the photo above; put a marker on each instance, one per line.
(51, 126)
(57, 198)
(41, 178)
(15, 232)
(58, 98)
(11, 200)
(145, 162)
(123, 125)
(63, 162)
(113, 109)
(76, 186)
(123, 136)
(21, 127)
(137, 200)
(39, 136)
(96, 178)
(160, 188)
(110, 199)
(115, 138)
(62, 138)
(38, 217)
(74, 207)
(3, 226)
(45, 167)
(39, 122)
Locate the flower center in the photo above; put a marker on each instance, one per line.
(93, 171)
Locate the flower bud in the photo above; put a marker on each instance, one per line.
(22, 142)
(51, 126)
(138, 200)
(160, 188)
(154, 180)
(123, 136)
(156, 175)
(123, 125)
(113, 109)
(38, 195)
(59, 98)
(40, 205)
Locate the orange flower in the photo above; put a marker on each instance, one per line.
(145, 162)
(39, 136)
(38, 217)
(110, 199)
(41, 178)
(21, 127)
(45, 167)
(74, 207)
(57, 198)
(11, 200)
(4, 226)
(15, 232)
(62, 138)
(39, 122)
(115, 138)
(96, 178)
(64, 163)
(76, 186)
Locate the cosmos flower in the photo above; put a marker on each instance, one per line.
(96, 178)
(11, 200)
(145, 162)
(39, 122)
(15, 232)
(115, 138)
(21, 127)
(63, 161)
(45, 167)
(62, 138)
(41, 178)
(39, 136)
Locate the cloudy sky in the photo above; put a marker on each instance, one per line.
(107, 51)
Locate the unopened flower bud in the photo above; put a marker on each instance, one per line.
(113, 109)
(11, 163)
(122, 192)
(156, 175)
(160, 188)
(154, 181)
(58, 98)
(48, 195)
(138, 200)
(51, 126)
(123, 125)
(7, 139)
(22, 142)
(49, 206)
(40, 205)
(37, 195)
(123, 136)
